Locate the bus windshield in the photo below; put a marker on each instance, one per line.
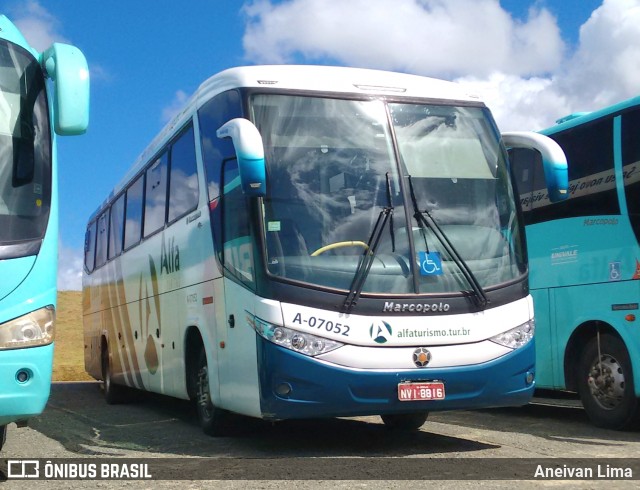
(25, 149)
(334, 165)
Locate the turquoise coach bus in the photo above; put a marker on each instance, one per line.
(585, 263)
(37, 91)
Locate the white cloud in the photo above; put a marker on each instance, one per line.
(39, 27)
(177, 104)
(518, 103)
(522, 69)
(435, 37)
(606, 66)
(69, 268)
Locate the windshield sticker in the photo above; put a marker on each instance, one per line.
(273, 226)
(430, 263)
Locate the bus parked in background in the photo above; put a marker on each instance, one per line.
(585, 263)
(41, 95)
(307, 241)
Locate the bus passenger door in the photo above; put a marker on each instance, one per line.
(546, 358)
(237, 358)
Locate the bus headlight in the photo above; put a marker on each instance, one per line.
(516, 337)
(305, 343)
(33, 329)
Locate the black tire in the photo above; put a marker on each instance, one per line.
(606, 386)
(213, 420)
(3, 435)
(114, 394)
(405, 421)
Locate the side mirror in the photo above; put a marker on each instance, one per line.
(67, 67)
(250, 153)
(554, 160)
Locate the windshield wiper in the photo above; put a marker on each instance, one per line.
(366, 261)
(425, 219)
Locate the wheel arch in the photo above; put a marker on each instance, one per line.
(193, 342)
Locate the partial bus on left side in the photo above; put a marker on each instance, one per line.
(41, 95)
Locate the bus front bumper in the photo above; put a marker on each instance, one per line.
(25, 382)
(293, 385)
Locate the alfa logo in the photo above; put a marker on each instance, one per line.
(421, 357)
(380, 333)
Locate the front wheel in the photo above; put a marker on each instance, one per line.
(212, 419)
(605, 384)
(405, 421)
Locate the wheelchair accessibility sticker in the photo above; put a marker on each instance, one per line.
(614, 271)
(430, 263)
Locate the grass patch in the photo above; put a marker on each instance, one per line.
(68, 356)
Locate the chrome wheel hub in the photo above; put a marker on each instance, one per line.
(606, 382)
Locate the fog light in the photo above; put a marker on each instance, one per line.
(283, 389)
(23, 376)
(529, 377)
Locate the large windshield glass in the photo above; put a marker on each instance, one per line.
(332, 171)
(25, 149)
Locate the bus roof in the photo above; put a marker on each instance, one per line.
(315, 78)
(580, 118)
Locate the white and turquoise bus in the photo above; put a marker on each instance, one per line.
(306, 241)
(585, 263)
(37, 91)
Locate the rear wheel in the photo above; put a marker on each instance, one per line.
(113, 393)
(213, 420)
(605, 384)
(405, 421)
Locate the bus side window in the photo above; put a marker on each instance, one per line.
(236, 234)
(133, 213)
(116, 227)
(592, 190)
(101, 242)
(528, 173)
(90, 247)
(631, 166)
(183, 178)
(219, 110)
(155, 196)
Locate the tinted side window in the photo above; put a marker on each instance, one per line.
(90, 247)
(116, 227)
(155, 198)
(183, 184)
(101, 243)
(528, 175)
(133, 223)
(212, 115)
(589, 151)
(631, 166)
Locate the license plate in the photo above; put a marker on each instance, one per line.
(420, 391)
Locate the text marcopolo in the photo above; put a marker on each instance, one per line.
(392, 306)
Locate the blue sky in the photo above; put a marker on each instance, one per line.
(532, 60)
